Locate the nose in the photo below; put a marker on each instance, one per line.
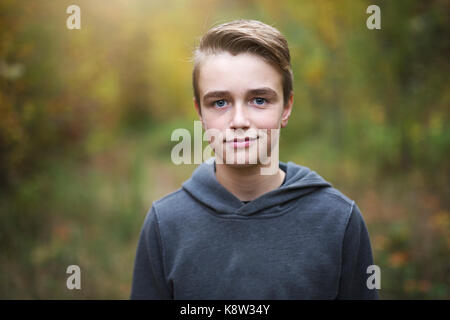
(239, 118)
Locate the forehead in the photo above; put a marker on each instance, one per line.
(237, 74)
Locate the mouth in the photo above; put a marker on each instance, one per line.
(241, 142)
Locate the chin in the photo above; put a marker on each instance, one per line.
(244, 161)
(242, 165)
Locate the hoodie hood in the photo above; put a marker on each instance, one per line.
(204, 187)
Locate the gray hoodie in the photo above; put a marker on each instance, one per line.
(304, 240)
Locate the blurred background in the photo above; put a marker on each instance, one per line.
(86, 117)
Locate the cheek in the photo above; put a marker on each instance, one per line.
(212, 122)
(268, 120)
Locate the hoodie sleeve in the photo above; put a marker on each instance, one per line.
(356, 257)
(148, 276)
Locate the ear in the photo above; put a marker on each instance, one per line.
(287, 110)
(199, 111)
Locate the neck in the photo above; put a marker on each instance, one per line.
(247, 183)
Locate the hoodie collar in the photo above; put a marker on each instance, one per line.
(204, 187)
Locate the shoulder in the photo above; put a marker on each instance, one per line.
(175, 205)
(340, 206)
(333, 195)
(330, 197)
(171, 201)
(331, 206)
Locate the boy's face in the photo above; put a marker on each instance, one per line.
(241, 96)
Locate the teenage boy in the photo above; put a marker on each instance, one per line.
(232, 232)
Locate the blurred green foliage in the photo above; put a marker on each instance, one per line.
(86, 117)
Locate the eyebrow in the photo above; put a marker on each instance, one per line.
(263, 91)
(259, 91)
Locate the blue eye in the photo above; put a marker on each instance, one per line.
(220, 103)
(259, 101)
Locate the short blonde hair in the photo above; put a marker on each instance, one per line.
(247, 36)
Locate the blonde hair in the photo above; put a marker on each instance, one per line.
(247, 36)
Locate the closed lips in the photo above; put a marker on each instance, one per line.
(241, 139)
